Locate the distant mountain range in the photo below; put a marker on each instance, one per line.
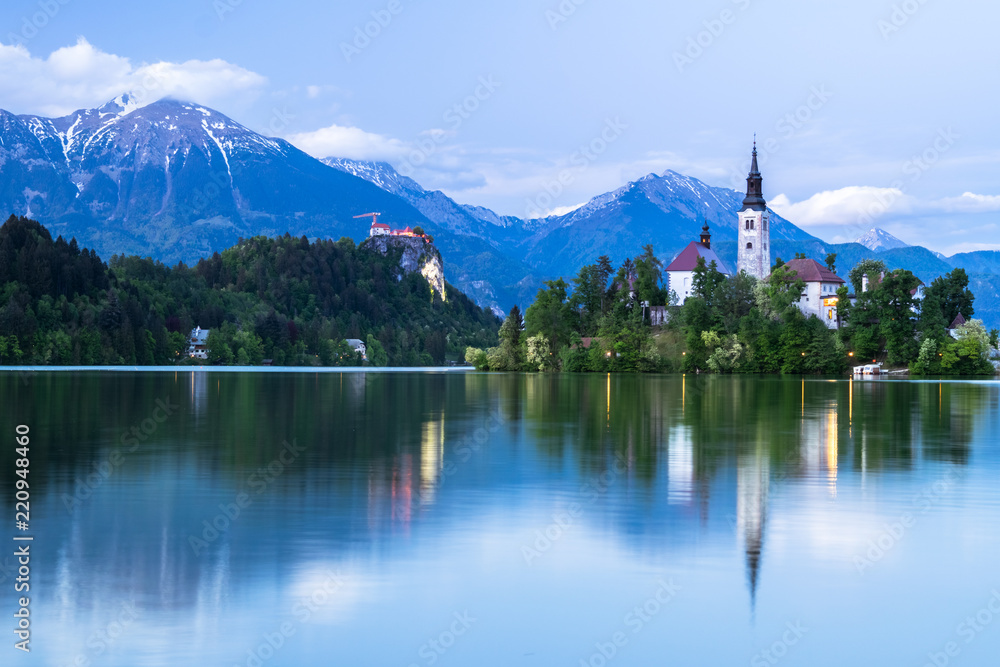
(177, 181)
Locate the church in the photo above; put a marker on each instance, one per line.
(753, 252)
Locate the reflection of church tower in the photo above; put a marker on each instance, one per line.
(755, 235)
(753, 478)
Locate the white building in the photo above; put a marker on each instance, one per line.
(754, 247)
(358, 345)
(198, 343)
(680, 273)
(820, 295)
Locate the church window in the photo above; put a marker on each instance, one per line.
(751, 224)
(749, 246)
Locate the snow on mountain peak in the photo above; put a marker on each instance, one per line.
(880, 240)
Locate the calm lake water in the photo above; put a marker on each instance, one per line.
(266, 519)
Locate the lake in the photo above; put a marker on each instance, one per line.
(432, 518)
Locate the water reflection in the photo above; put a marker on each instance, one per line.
(452, 473)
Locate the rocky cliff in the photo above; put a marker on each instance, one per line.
(417, 256)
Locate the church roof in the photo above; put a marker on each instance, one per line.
(957, 322)
(812, 271)
(755, 196)
(688, 259)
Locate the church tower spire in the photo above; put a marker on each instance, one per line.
(754, 254)
(706, 236)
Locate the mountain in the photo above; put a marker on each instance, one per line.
(178, 181)
(437, 206)
(880, 240)
(174, 180)
(666, 210)
(476, 244)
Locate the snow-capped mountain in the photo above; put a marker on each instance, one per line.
(880, 240)
(665, 210)
(174, 180)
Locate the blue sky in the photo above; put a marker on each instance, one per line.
(867, 112)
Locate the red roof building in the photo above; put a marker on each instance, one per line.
(820, 295)
(680, 273)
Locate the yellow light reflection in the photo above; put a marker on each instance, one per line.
(832, 447)
(850, 404)
(609, 398)
(431, 457)
(803, 397)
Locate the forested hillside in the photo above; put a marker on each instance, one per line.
(284, 299)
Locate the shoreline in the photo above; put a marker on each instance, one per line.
(238, 369)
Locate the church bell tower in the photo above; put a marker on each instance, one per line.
(754, 254)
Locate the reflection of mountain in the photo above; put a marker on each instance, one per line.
(395, 461)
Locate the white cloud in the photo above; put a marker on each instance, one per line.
(854, 205)
(968, 203)
(82, 76)
(348, 142)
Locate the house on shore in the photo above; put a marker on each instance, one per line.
(820, 295)
(358, 346)
(198, 343)
(680, 272)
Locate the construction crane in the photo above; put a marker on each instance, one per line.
(365, 215)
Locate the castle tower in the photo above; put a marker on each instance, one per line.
(755, 235)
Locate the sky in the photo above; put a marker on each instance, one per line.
(866, 112)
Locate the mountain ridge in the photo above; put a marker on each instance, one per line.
(177, 181)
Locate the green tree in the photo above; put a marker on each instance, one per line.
(539, 354)
(550, 314)
(219, 351)
(602, 275)
(649, 276)
(376, 353)
(589, 294)
(952, 293)
(510, 354)
(896, 312)
(932, 323)
(872, 268)
(779, 291)
(724, 352)
(831, 262)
